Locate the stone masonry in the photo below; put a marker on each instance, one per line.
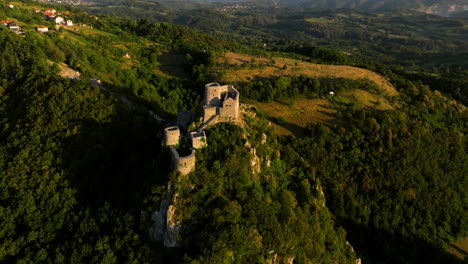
(221, 102)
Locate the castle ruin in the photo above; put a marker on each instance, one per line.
(221, 103)
(198, 139)
(182, 164)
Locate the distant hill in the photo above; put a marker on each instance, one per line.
(442, 7)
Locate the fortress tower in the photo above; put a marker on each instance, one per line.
(213, 94)
(183, 164)
(172, 136)
(221, 103)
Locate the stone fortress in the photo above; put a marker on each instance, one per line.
(220, 104)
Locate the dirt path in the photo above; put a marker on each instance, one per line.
(66, 71)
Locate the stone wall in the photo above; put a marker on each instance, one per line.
(230, 110)
(208, 112)
(198, 139)
(184, 165)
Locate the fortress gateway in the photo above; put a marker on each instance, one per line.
(220, 104)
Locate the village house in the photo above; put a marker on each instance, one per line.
(51, 10)
(11, 6)
(35, 10)
(69, 22)
(49, 15)
(42, 29)
(13, 27)
(6, 22)
(59, 20)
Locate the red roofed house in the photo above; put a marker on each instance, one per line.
(49, 15)
(51, 10)
(42, 29)
(6, 22)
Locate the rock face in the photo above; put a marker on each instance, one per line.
(172, 227)
(275, 259)
(166, 227)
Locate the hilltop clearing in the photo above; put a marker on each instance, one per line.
(275, 67)
(291, 115)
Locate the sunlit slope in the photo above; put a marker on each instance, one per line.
(291, 116)
(275, 67)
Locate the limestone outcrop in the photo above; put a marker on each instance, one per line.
(166, 227)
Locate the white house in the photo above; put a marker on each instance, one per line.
(42, 29)
(13, 27)
(10, 5)
(69, 23)
(59, 20)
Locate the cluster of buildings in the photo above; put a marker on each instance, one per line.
(68, 2)
(11, 25)
(52, 15)
(231, 8)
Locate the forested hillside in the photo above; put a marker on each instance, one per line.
(421, 47)
(82, 167)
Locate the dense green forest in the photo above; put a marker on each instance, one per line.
(419, 46)
(81, 171)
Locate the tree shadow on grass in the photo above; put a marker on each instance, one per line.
(295, 129)
(173, 64)
(380, 246)
(115, 162)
